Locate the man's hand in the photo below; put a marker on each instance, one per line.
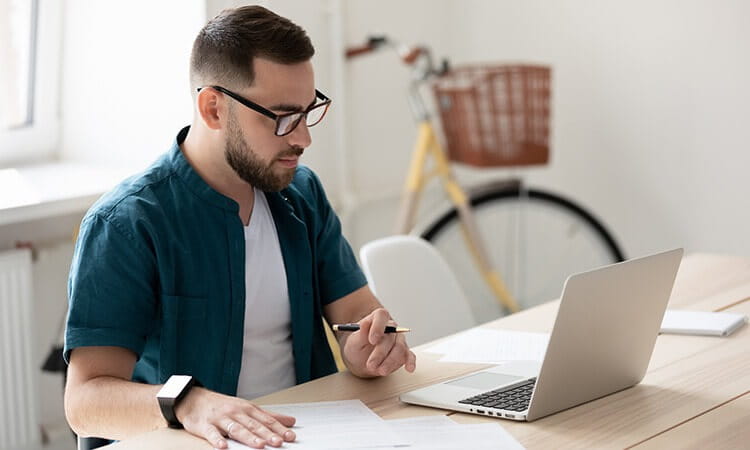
(371, 352)
(100, 400)
(213, 416)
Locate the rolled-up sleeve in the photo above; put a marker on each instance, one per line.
(337, 268)
(111, 288)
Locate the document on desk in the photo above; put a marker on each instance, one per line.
(347, 424)
(442, 433)
(488, 346)
(352, 425)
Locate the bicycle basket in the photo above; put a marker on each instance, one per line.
(495, 115)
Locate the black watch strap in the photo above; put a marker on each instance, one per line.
(170, 395)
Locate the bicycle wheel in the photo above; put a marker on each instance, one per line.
(535, 239)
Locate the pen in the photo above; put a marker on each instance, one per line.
(355, 327)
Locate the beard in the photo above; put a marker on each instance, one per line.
(250, 167)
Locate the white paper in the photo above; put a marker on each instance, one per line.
(350, 424)
(347, 424)
(444, 434)
(701, 322)
(492, 346)
(325, 413)
(421, 422)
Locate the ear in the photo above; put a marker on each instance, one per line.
(212, 108)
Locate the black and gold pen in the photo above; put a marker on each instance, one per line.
(355, 327)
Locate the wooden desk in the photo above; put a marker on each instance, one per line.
(696, 392)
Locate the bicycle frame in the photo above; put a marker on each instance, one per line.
(427, 145)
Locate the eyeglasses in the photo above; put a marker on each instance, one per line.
(287, 122)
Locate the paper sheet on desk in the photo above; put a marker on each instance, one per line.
(492, 346)
(442, 433)
(347, 424)
(351, 425)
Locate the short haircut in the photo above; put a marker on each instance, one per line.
(224, 50)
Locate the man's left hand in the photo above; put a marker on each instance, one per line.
(370, 352)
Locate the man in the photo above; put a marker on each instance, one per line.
(219, 260)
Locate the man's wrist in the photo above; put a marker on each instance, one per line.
(171, 396)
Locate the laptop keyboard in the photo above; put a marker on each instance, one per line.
(515, 398)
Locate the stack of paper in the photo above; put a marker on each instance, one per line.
(350, 424)
(492, 346)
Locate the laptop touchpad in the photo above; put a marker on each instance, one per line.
(485, 380)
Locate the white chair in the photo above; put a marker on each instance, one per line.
(413, 281)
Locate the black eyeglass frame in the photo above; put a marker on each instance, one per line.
(277, 117)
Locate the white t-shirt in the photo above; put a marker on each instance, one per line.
(267, 358)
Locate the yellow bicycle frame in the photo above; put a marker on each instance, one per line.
(427, 145)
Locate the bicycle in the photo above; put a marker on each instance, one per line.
(493, 116)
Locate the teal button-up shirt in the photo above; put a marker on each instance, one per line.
(159, 268)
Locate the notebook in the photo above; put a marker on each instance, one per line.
(702, 323)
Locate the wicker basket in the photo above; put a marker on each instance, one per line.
(495, 115)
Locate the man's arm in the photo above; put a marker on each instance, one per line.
(369, 352)
(100, 400)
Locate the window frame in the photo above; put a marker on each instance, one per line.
(38, 141)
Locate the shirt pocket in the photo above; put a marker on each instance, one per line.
(183, 342)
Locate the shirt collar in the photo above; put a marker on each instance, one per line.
(193, 180)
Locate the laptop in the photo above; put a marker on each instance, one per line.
(601, 343)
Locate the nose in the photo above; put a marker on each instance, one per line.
(300, 137)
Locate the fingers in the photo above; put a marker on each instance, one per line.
(365, 326)
(379, 353)
(214, 437)
(287, 421)
(250, 432)
(380, 318)
(372, 352)
(386, 359)
(260, 428)
(217, 417)
(411, 362)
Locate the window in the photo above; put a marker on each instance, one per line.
(17, 47)
(29, 73)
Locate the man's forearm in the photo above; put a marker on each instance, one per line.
(112, 408)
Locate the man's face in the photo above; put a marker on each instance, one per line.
(262, 159)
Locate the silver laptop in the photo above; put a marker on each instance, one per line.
(601, 343)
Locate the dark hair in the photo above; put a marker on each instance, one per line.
(224, 50)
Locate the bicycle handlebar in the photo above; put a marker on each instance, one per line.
(409, 54)
(353, 51)
(418, 58)
(373, 43)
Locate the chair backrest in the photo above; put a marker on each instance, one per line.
(413, 281)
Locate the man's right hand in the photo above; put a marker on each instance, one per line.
(100, 400)
(212, 416)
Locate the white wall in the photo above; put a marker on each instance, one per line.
(650, 109)
(649, 102)
(650, 105)
(125, 85)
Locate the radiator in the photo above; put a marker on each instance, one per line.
(18, 406)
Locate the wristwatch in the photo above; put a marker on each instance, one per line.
(169, 396)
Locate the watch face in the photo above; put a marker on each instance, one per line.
(174, 386)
